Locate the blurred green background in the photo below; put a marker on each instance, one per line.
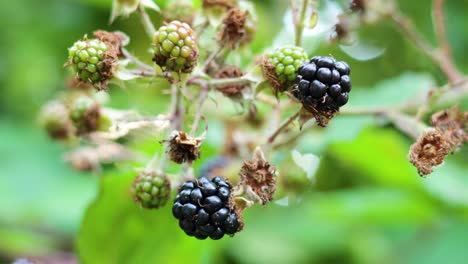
(367, 204)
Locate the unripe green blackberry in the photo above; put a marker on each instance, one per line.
(175, 48)
(54, 118)
(282, 64)
(151, 189)
(91, 60)
(85, 114)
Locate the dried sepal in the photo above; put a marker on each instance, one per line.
(258, 176)
(217, 3)
(233, 29)
(183, 148)
(268, 70)
(90, 158)
(320, 110)
(447, 135)
(115, 40)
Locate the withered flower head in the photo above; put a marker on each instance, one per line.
(54, 118)
(268, 69)
(217, 3)
(230, 71)
(182, 11)
(114, 40)
(447, 135)
(358, 5)
(259, 176)
(322, 110)
(85, 114)
(233, 29)
(183, 148)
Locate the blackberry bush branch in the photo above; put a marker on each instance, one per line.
(146, 22)
(407, 27)
(441, 34)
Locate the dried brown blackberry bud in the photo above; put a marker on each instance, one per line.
(259, 177)
(183, 148)
(181, 10)
(230, 71)
(55, 120)
(342, 29)
(85, 114)
(450, 131)
(233, 29)
(322, 111)
(217, 3)
(358, 5)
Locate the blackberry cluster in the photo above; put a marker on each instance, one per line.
(175, 48)
(204, 209)
(85, 114)
(151, 189)
(88, 60)
(324, 81)
(286, 62)
(54, 118)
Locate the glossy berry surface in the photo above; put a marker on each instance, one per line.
(323, 77)
(175, 48)
(204, 210)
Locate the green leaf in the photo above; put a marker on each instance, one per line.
(393, 91)
(376, 157)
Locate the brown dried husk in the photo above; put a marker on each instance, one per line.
(448, 134)
(183, 148)
(233, 29)
(230, 71)
(259, 175)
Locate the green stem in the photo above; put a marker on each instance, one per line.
(300, 24)
(228, 81)
(283, 126)
(146, 22)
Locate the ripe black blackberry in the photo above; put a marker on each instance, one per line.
(204, 209)
(323, 83)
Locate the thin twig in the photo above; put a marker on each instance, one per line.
(145, 73)
(363, 111)
(137, 61)
(283, 126)
(211, 58)
(198, 115)
(445, 49)
(228, 81)
(299, 23)
(146, 22)
(405, 24)
(406, 124)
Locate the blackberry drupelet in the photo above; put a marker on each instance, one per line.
(323, 82)
(204, 209)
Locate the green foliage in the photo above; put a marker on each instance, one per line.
(365, 204)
